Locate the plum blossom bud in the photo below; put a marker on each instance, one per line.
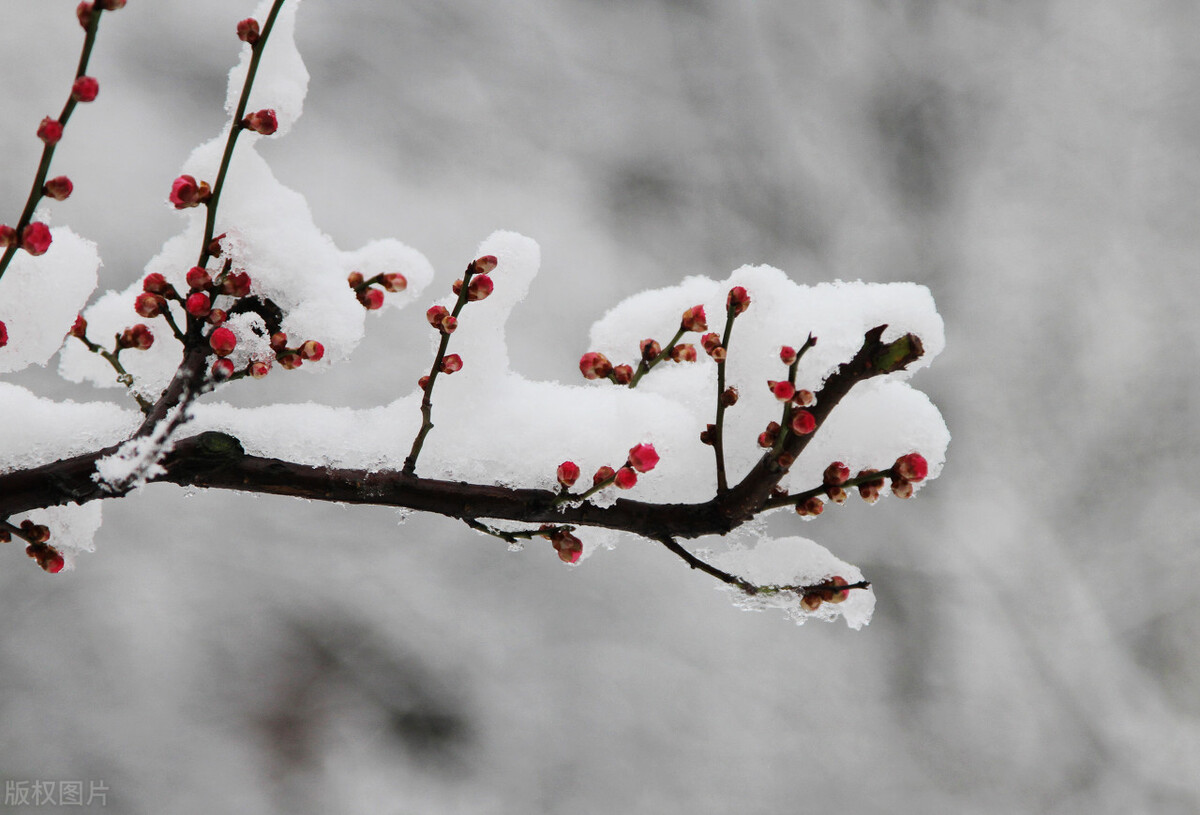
(247, 30)
(36, 238)
(84, 13)
(394, 282)
(214, 246)
(198, 278)
(222, 369)
(449, 324)
(290, 360)
(456, 287)
(836, 474)
(50, 130)
(8, 236)
(787, 355)
(625, 478)
(838, 596)
(869, 490)
(451, 363)
(85, 89)
(602, 475)
(902, 487)
(785, 461)
(650, 349)
(810, 508)
(312, 350)
(355, 279)
(729, 396)
(710, 341)
(79, 329)
(694, 319)
(236, 284)
(811, 601)
(262, 122)
(222, 341)
(768, 437)
(278, 341)
(371, 298)
(198, 304)
(643, 458)
(568, 473)
(803, 423)
(217, 316)
(569, 547)
(594, 365)
(709, 435)
(59, 188)
(804, 398)
(3, 334)
(738, 300)
(480, 287)
(187, 192)
(260, 368)
(912, 467)
(684, 352)
(156, 284)
(836, 494)
(783, 391)
(622, 374)
(436, 315)
(486, 264)
(148, 304)
(139, 337)
(423, 382)
(718, 354)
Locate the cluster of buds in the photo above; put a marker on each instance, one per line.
(35, 238)
(594, 365)
(810, 507)
(836, 474)
(711, 342)
(139, 337)
(36, 535)
(907, 470)
(642, 458)
(830, 591)
(369, 291)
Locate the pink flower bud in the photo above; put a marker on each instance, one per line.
(902, 487)
(394, 282)
(810, 508)
(783, 391)
(148, 304)
(187, 192)
(371, 298)
(836, 494)
(278, 341)
(84, 13)
(594, 365)
(8, 236)
(451, 363)
(156, 284)
(768, 437)
(35, 238)
(486, 264)
(803, 423)
(198, 278)
(643, 458)
(568, 473)
(3, 334)
(869, 490)
(222, 341)
(247, 30)
(449, 324)
(312, 350)
(262, 122)
(912, 467)
(139, 337)
(456, 287)
(839, 596)
(481, 286)
(85, 89)
(811, 601)
(423, 382)
(59, 188)
(694, 319)
(290, 360)
(650, 349)
(836, 474)
(568, 546)
(718, 354)
(738, 300)
(50, 131)
(198, 304)
(79, 329)
(787, 355)
(54, 563)
(217, 316)
(222, 369)
(622, 374)
(436, 315)
(804, 398)
(236, 284)
(625, 478)
(355, 279)
(260, 368)
(602, 475)
(684, 352)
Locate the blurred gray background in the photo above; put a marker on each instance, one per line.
(1034, 648)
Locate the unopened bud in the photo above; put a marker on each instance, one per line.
(650, 349)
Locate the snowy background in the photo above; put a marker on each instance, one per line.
(1034, 643)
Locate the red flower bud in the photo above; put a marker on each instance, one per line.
(290, 360)
(709, 435)
(568, 473)
(217, 316)
(729, 397)
(787, 355)
(625, 478)
(148, 304)
(449, 324)
(53, 563)
(312, 350)
(247, 30)
(423, 382)
(371, 298)
(222, 369)
(139, 337)
(650, 349)
(85, 89)
(836, 494)
(804, 398)
(278, 341)
(222, 341)
(481, 286)
(451, 363)
(214, 246)
(355, 279)
(187, 192)
(602, 475)
(84, 13)
(839, 596)
(768, 437)
(912, 467)
(643, 458)
(198, 304)
(50, 130)
(58, 188)
(79, 329)
(738, 300)
(236, 284)
(198, 278)
(803, 423)
(394, 281)
(456, 287)
(694, 319)
(568, 546)
(835, 474)
(3, 334)
(869, 490)
(436, 315)
(486, 264)
(902, 487)
(594, 365)
(783, 391)
(260, 368)
(811, 507)
(684, 352)
(262, 122)
(156, 284)
(8, 236)
(622, 374)
(35, 238)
